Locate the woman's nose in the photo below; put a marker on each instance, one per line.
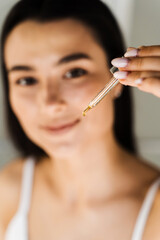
(51, 96)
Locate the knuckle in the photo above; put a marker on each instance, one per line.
(145, 51)
(134, 75)
(139, 63)
(142, 48)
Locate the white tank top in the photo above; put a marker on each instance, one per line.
(18, 226)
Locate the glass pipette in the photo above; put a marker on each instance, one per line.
(98, 98)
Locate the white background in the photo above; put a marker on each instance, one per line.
(139, 20)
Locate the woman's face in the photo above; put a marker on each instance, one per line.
(54, 70)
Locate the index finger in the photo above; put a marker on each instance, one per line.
(144, 51)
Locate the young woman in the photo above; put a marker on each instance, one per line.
(78, 178)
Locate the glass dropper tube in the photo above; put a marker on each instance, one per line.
(107, 88)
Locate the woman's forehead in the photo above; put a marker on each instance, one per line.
(33, 39)
(53, 33)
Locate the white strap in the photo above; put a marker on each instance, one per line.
(26, 187)
(145, 210)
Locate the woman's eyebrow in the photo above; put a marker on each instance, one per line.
(20, 68)
(74, 57)
(66, 59)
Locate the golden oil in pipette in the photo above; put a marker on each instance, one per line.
(86, 110)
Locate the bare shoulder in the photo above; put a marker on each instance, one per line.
(142, 175)
(11, 167)
(10, 182)
(147, 171)
(152, 226)
(141, 171)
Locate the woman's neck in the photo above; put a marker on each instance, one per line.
(88, 175)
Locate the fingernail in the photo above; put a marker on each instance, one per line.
(131, 53)
(120, 75)
(139, 81)
(120, 62)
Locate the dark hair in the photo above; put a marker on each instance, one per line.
(94, 14)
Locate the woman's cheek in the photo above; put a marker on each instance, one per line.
(25, 110)
(23, 104)
(103, 116)
(83, 92)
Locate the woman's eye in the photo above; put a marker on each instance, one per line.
(75, 73)
(26, 81)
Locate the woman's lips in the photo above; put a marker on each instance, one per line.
(61, 128)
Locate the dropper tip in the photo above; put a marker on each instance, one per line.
(86, 110)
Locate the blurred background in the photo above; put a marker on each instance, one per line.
(138, 20)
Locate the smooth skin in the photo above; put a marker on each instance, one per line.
(89, 187)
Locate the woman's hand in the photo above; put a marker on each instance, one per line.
(140, 67)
